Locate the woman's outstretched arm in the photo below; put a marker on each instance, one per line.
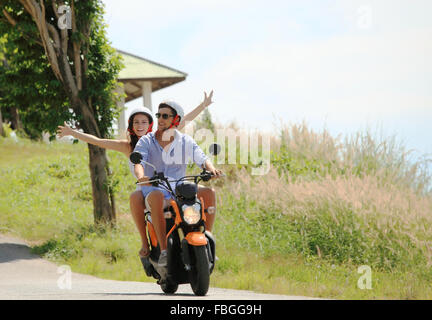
(195, 112)
(117, 145)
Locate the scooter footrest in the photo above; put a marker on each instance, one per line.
(148, 268)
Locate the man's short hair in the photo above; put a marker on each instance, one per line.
(164, 105)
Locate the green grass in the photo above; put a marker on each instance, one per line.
(303, 229)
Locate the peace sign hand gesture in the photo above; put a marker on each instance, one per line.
(207, 100)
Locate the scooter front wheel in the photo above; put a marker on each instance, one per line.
(200, 273)
(169, 288)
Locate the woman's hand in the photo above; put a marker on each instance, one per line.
(144, 179)
(207, 100)
(65, 130)
(195, 112)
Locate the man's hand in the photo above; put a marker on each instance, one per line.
(144, 179)
(207, 100)
(215, 172)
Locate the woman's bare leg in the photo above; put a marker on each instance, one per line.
(156, 201)
(209, 197)
(137, 208)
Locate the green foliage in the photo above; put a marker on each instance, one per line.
(104, 64)
(2, 43)
(299, 165)
(205, 121)
(55, 249)
(6, 130)
(28, 82)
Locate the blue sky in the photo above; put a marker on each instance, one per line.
(343, 65)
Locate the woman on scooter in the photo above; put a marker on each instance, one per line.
(140, 123)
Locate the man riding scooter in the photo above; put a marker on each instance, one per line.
(170, 151)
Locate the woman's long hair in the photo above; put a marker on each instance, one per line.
(131, 136)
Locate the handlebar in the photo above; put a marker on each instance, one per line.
(204, 175)
(159, 177)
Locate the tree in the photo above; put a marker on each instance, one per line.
(2, 62)
(205, 121)
(27, 83)
(61, 61)
(2, 133)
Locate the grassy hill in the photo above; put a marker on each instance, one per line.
(326, 207)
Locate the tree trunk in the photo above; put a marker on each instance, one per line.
(103, 208)
(103, 200)
(2, 133)
(15, 120)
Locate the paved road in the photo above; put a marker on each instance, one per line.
(26, 276)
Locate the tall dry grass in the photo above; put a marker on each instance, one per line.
(362, 153)
(359, 199)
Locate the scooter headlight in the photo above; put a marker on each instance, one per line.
(191, 214)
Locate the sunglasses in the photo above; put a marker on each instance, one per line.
(163, 115)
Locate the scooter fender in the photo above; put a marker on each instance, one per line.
(196, 239)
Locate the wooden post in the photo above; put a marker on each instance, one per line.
(146, 92)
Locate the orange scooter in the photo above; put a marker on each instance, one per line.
(191, 250)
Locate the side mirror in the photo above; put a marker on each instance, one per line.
(135, 157)
(215, 149)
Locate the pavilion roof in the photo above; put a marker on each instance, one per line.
(138, 69)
